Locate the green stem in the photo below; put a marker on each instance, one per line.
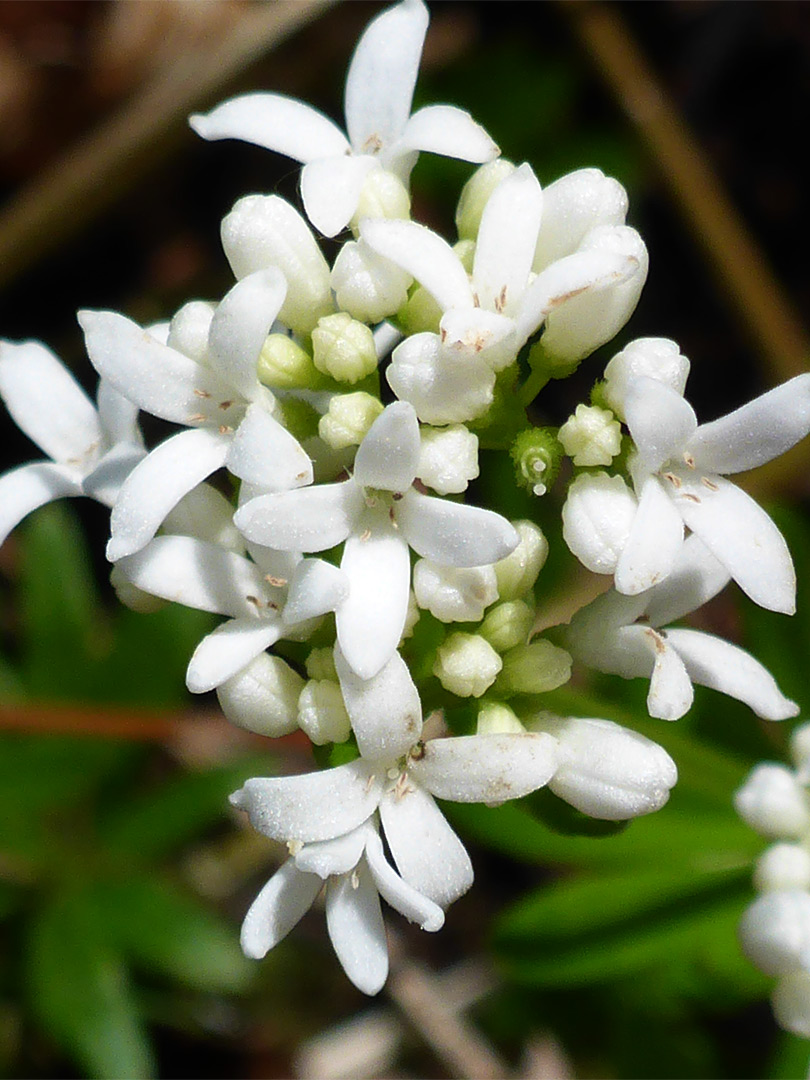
(532, 387)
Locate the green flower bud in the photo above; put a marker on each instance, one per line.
(348, 419)
(534, 668)
(322, 713)
(343, 348)
(466, 664)
(507, 625)
(476, 192)
(537, 455)
(465, 250)
(517, 573)
(284, 365)
(495, 718)
(299, 417)
(592, 436)
(320, 664)
(383, 195)
(420, 314)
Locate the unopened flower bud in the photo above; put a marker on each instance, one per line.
(517, 573)
(800, 752)
(507, 625)
(322, 712)
(188, 330)
(534, 668)
(285, 365)
(773, 802)
(343, 348)
(608, 771)
(466, 664)
(494, 718)
(537, 455)
(597, 517)
(348, 419)
(476, 192)
(465, 250)
(572, 206)
(655, 358)
(592, 436)
(265, 230)
(263, 696)
(383, 195)
(369, 287)
(782, 867)
(775, 931)
(452, 593)
(791, 1003)
(448, 458)
(320, 664)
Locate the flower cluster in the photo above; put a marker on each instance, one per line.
(292, 495)
(775, 930)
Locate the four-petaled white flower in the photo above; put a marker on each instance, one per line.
(378, 513)
(622, 635)
(92, 449)
(218, 396)
(381, 131)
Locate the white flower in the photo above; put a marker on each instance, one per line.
(381, 132)
(92, 449)
(608, 636)
(229, 412)
(378, 514)
(270, 596)
(357, 874)
(678, 476)
(597, 517)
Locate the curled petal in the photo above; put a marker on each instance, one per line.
(399, 894)
(225, 652)
(453, 533)
(696, 577)
(283, 901)
(314, 806)
(654, 542)
(671, 692)
(308, 519)
(328, 857)
(385, 711)
(446, 130)
(275, 122)
(316, 587)
(356, 929)
(425, 255)
(264, 453)
(330, 190)
(506, 241)
(660, 421)
(27, 488)
(240, 327)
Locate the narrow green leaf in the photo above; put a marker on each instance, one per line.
(163, 930)
(79, 990)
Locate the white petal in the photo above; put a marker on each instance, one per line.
(399, 894)
(264, 230)
(758, 432)
(597, 516)
(316, 587)
(446, 130)
(382, 75)
(47, 403)
(486, 768)
(775, 931)
(506, 240)
(275, 122)
(104, 483)
(330, 190)
(655, 358)
(27, 488)
(660, 421)
(427, 852)
(454, 533)
(338, 856)
(308, 519)
(231, 647)
(774, 802)
(370, 621)
(264, 453)
(468, 333)
(696, 577)
(357, 930)
(206, 514)
(388, 456)
(314, 806)
(158, 483)
(385, 711)
(740, 535)
(118, 415)
(575, 276)
(198, 574)
(572, 206)
(369, 287)
(425, 255)
(155, 377)
(713, 662)
(791, 1003)
(283, 901)
(441, 390)
(240, 327)
(671, 694)
(654, 543)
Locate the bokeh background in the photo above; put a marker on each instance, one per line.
(581, 951)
